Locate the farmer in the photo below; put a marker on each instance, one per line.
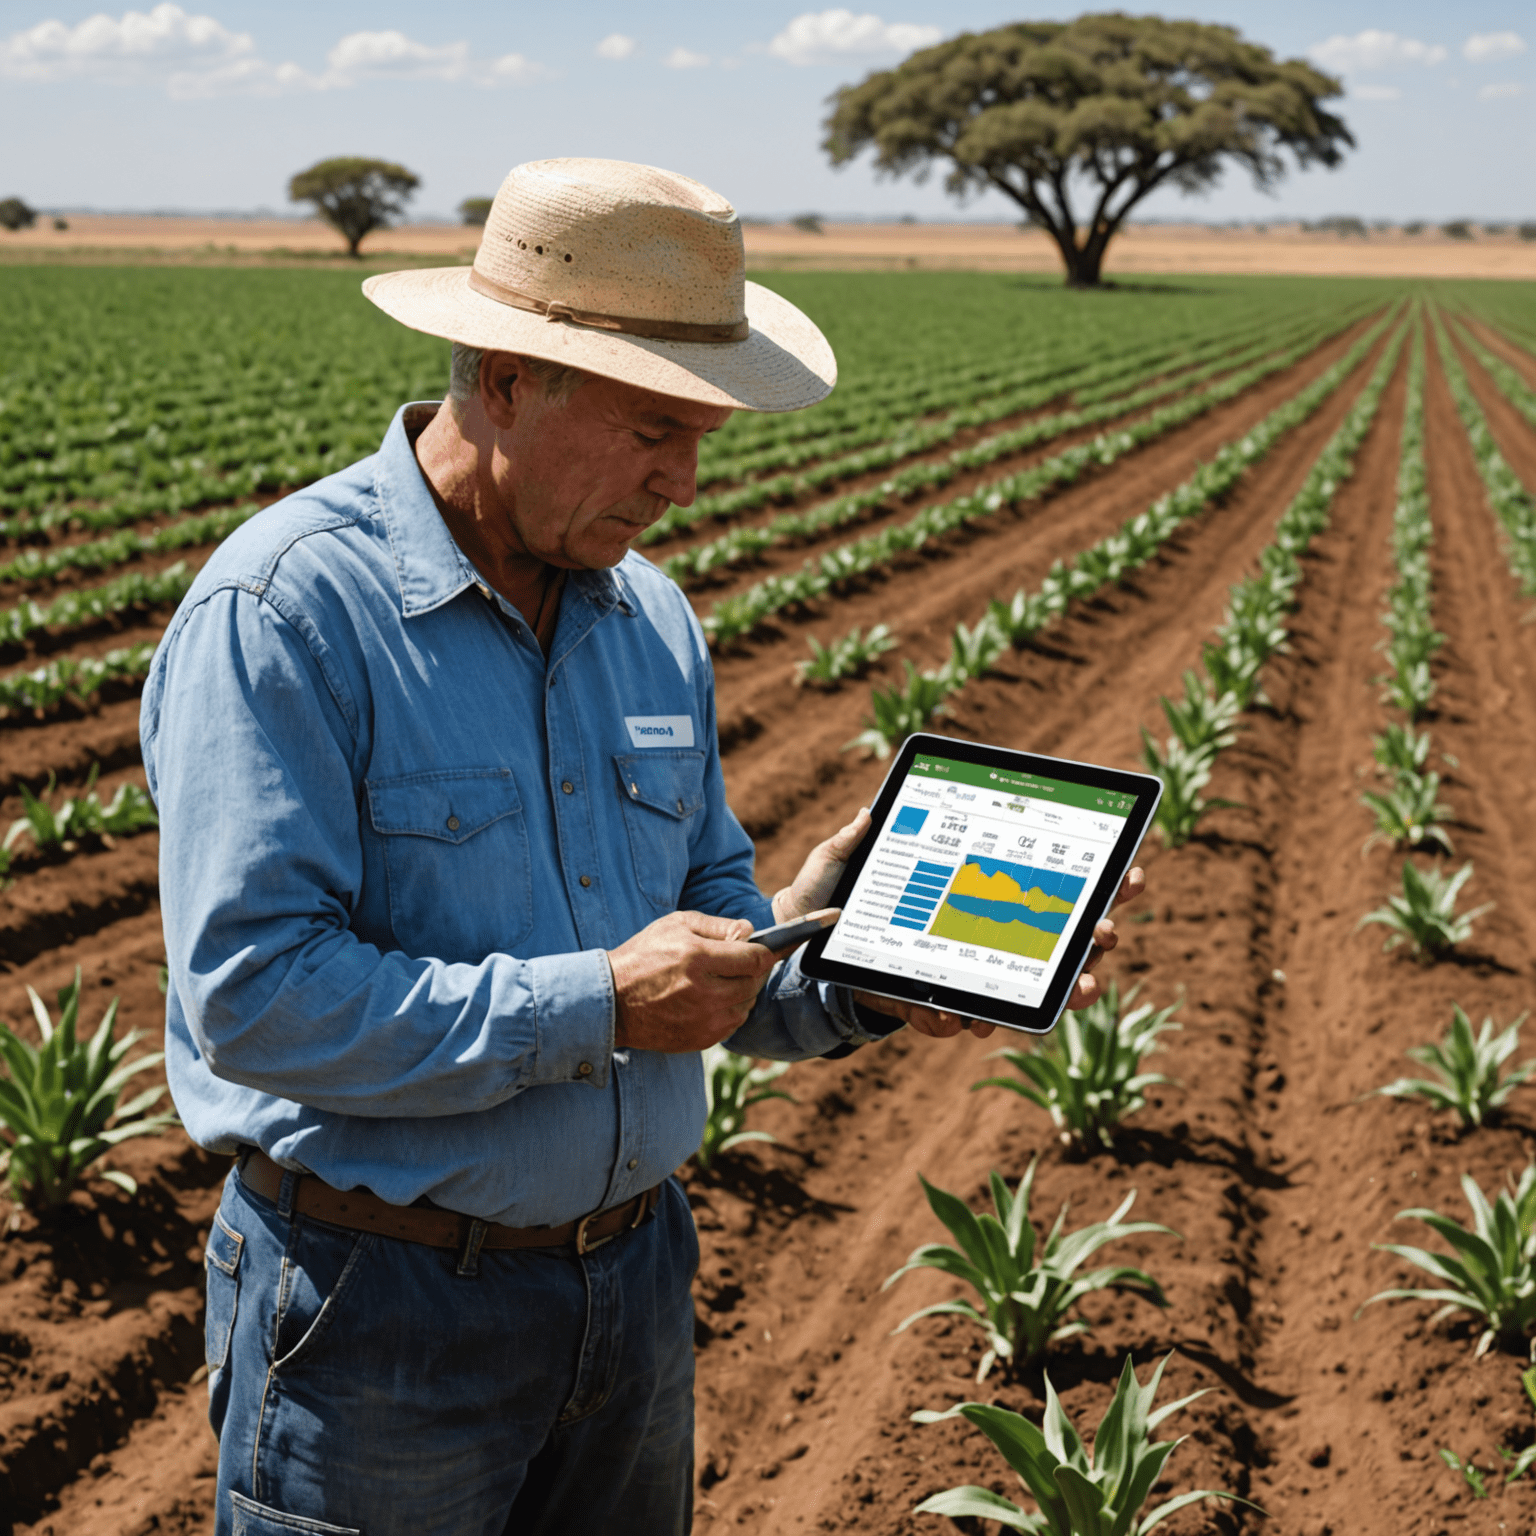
(453, 898)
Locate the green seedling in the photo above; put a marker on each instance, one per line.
(1409, 814)
(1233, 672)
(898, 712)
(1078, 1495)
(972, 651)
(1470, 1068)
(851, 656)
(1491, 1273)
(1401, 749)
(732, 1085)
(59, 1108)
(129, 810)
(1469, 1473)
(1205, 722)
(1184, 774)
(1424, 916)
(1410, 689)
(1026, 1286)
(1088, 1075)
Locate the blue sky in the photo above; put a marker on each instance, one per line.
(214, 104)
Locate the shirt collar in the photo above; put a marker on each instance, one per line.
(429, 565)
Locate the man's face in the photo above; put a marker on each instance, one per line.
(581, 481)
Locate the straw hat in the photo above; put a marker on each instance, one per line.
(626, 271)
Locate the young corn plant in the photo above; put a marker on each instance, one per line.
(898, 712)
(1077, 1495)
(1205, 721)
(1425, 917)
(1184, 774)
(1409, 689)
(129, 810)
(1026, 1286)
(1472, 1080)
(59, 1101)
(732, 1085)
(1471, 1475)
(1492, 1271)
(1088, 1075)
(1527, 1458)
(850, 656)
(1401, 749)
(1409, 814)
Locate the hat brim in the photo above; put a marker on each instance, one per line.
(784, 364)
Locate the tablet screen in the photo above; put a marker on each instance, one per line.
(977, 877)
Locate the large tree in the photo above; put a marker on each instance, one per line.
(1078, 121)
(354, 195)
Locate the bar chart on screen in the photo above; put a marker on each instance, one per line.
(1016, 908)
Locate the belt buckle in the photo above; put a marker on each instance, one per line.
(583, 1245)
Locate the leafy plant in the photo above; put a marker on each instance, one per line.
(1409, 689)
(1078, 1495)
(1401, 749)
(1470, 1069)
(129, 810)
(1088, 1075)
(1205, 721)
(1184, 774)
(898, 712)
(1527, 1458)
(1470, 1474)
(732, 1085)
(1425, 915)
(59, 1101)
(848, 657)
(1408, 815)
(1492, 1272)
(1026, 1286)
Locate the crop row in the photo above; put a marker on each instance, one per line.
(1512, 502)
(923, 437)
(1511, 382)
(73, 679)
(80, 606)
(738, 615)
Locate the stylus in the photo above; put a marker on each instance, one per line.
(787, 936)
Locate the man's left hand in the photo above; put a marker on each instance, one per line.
(818, 877)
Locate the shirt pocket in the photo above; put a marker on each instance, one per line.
(456, 861)
(662, 793)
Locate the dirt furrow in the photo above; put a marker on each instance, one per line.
(1512, 353)
(1511, 431)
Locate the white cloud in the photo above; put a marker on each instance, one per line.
(826, 37)
(361, 55)
(1371, 49)
(1482, 47)
(1502, 88)
(683, 58)
(616, 46)
(1374, 93)
(138, 43)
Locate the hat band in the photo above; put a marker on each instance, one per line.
(651, 330)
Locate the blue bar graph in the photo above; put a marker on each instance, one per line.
(917, 903)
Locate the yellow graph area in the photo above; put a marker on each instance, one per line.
(1012, 938)
(1000, 887)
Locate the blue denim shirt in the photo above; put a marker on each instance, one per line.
(396, 844)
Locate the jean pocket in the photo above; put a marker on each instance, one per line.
(663, 792)
(253, 1519)
(221, 1259)
(455, 860)
(320, 1271)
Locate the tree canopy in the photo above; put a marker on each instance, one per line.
(354, 195)
(475, 210)
(14, 214)
(1102, 110)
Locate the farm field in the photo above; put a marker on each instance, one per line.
(1122, 461)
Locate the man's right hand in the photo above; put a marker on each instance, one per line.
(685, 982)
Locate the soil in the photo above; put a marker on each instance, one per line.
(1266, 1156)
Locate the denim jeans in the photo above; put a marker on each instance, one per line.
(360, 1385)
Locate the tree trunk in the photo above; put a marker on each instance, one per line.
(1083, 266)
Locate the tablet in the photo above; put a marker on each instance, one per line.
(979, 884)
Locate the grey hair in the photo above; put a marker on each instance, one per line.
(559, 381)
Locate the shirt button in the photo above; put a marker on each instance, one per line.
(586, 879)
(584, 1070)
(568, 787)
(679, 807)
(633, 1163)
(453, 823)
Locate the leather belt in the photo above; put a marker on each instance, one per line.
(360, 1210)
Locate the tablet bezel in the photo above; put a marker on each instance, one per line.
(1144, 787)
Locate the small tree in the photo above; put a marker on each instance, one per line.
(14, 214)
(1124, 103)
(355, 196)
(475, 210)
